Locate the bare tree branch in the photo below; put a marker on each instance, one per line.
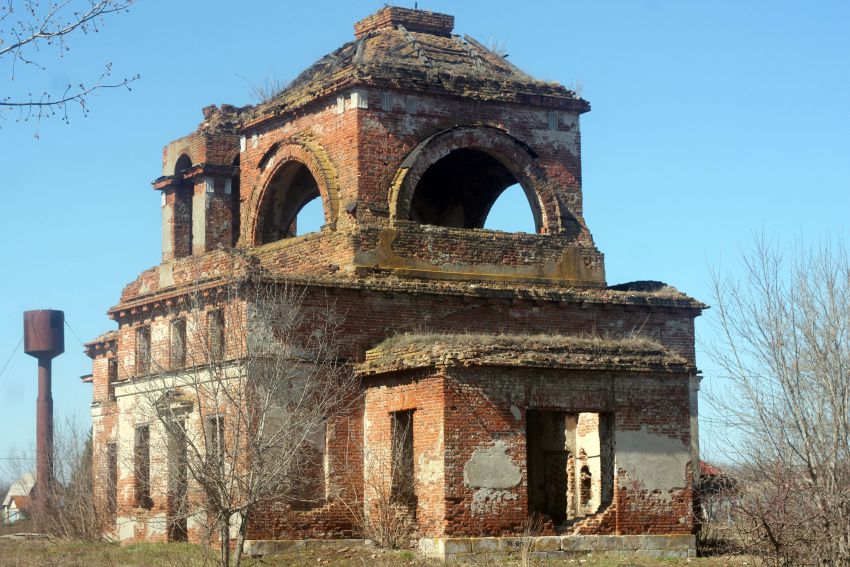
(785, 395)
(48, 24)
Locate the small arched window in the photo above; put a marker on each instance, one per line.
(291, 206)
(184, 162)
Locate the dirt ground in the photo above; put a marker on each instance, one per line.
(42, 552)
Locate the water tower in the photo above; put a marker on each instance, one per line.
(44, 338)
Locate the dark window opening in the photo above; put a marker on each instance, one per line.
(214, 434)
(215, 334)
(111, 377)
(288, 193)
(142, 467)
(178, 482)
(111, 481)
(184, 163)
(143, 350)
(183, 208)
(310, 488)
(570, 464)
(178, 343)
(460, 189)
(548, 456)
(403, 479)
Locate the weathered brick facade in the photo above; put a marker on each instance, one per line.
(408, 135)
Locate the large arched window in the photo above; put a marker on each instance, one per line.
(460, 189)
(287, 194)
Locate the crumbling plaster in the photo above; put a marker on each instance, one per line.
(652, 462)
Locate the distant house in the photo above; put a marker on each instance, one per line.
(17, 501)
(717, 494)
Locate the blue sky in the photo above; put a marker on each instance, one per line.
(710, 120)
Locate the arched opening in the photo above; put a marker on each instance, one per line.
(288, 194)
(511, 212)
(183, 208)
(460, 189)
(184, 162)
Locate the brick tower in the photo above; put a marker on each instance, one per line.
(520, 381)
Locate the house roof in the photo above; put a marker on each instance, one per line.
(20, 502)
(21, 487)
(706, 469)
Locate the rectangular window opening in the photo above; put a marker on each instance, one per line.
(143, 349)
(111, 377)
(552, 119)
(403, 474)
(570, 464)
(214, 432)
(311, 487)
(142, 467)
(178, 343)
(111, 481)
(215, 330)
(178, 482)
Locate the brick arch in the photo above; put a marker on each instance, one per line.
(310, 155)
(519, 159)
(180, 156)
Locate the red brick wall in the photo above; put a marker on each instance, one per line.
(482, 406)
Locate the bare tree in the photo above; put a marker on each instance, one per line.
(785, 402)
(67, 511)
(242, 399)
(28, 28)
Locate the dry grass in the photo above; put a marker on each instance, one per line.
(69, 554)
(525, 342)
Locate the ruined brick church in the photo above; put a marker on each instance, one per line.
(513, 364)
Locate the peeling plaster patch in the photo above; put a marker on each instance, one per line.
(559, 139)
(655, 462)
(485, 499)
(516, 413)
(491, 468)
(126, 528)
(166, 275)
(167, 229)
(429, 470)
(430, 466)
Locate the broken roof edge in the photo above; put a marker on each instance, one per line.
(101, 344)
(291, 100)
(631, 354)
(670, 297)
